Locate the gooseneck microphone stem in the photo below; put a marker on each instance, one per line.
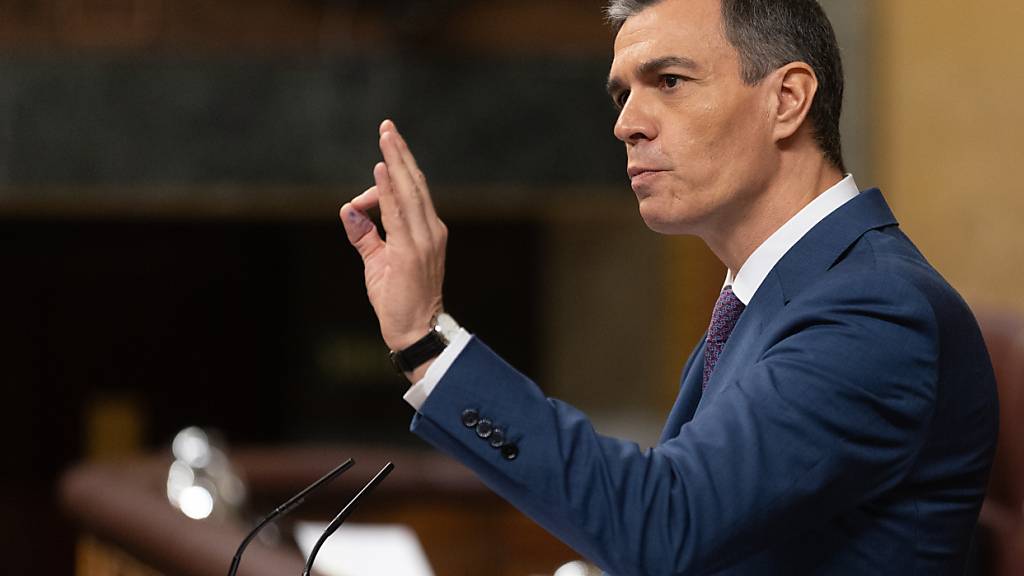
(336, 523)
(285, 508)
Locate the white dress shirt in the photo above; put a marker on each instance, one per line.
(744, 283)
(761, 261)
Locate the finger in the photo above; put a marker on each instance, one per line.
(405, 189)
(392, 214)
(409, 159)
(430, 213)
(388, 126)
(368, 200)
(414, 169)
(361, 232)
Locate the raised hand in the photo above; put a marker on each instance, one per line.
(404, 275)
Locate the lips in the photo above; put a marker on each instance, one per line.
(634, 171)
(641, 177)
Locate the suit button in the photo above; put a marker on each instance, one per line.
(484, 428)
(497, 439)
(510, 451)
(470, 417)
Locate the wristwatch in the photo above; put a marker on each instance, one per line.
(442, 329)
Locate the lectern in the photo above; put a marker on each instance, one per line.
(129, 528)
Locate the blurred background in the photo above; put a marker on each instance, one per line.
(170, 174)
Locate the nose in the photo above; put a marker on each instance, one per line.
(635, 122)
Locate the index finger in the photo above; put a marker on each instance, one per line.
(391, 213)
(368, 200)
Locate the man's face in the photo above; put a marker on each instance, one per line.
(698, 139)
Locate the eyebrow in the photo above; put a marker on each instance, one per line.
(649, 67)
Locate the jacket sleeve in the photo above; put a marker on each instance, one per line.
(831, 414)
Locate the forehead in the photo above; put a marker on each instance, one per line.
(686, 28)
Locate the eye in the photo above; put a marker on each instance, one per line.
(671, 80)
(620, 99)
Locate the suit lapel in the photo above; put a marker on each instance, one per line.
(689, 394)
(824, 244)
(766, 303)
(812, 256)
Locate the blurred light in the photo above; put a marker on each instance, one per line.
(192, 446)
(196, 502)
(179, 477)
(574, 568)
(200, 481)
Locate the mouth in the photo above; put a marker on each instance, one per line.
(639, 176)
(634, 171)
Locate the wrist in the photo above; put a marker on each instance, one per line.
(425, 320)
(414, 358)
(409, 338)
(420, 372)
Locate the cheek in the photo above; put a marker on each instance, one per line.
(750, 126)
(703, 145)
(697, 140)
(716, 140)
(743, 140)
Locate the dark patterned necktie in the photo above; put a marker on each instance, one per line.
(723, 320)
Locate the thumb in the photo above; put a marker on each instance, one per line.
(361, 232)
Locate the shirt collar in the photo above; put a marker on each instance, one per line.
(746, 282)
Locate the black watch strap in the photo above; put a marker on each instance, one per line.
(426, 348)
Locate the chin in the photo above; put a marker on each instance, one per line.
(664, 221)
(660, 226)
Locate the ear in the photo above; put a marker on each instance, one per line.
(795, 87)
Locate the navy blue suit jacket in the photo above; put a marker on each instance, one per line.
(848, 428)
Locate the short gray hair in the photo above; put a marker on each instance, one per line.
(618, 11)
(769, 34)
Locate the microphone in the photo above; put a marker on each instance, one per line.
(285, 508)
(336, 523)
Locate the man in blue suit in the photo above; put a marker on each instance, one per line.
(840, 415)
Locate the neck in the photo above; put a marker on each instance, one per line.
(792, 187)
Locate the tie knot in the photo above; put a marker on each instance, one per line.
(726, 314)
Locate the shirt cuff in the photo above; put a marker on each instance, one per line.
(418, 392)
